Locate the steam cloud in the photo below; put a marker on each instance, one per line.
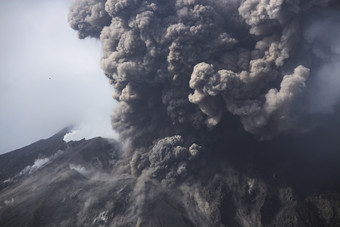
(184, 70)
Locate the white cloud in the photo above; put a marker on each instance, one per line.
(9, 201)
(80, 169)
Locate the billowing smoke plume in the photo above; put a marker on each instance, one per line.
(185, 70)
(88, 17)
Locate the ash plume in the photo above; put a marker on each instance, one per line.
(88, 17)
(186, 71)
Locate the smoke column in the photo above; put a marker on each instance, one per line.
(190, 76)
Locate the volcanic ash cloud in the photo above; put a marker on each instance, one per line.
(181, 68)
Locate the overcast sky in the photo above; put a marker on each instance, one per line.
(48, 77)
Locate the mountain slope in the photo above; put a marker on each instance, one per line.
(88, 183)
(45, 179)
(13, 162)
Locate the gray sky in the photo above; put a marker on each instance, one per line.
(48, 77)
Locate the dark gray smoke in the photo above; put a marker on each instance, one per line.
(88, 17)
(185, 72)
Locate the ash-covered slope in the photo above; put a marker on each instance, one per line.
(13, 162)
(48, 182)
(84, 184)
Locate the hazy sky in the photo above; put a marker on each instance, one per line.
(48, 77)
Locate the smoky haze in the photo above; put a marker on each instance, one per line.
(205, 85)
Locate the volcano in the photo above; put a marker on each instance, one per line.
(56, 183)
